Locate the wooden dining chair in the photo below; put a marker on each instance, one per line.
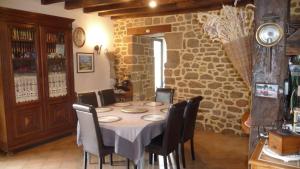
(90, 134)
(189, 121)
(88, 98)
(167, 142)
(107, 97)
(164, 95)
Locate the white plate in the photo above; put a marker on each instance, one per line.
(165, 110)
(103, 109)
(108, 119)
(134, 110)
(153, 117)
(122, 104)
(154, 103)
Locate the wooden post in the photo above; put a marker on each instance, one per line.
(267, 111)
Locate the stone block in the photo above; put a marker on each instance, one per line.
(173, 59)
(130, 60)
(214, 85)
(207, 105)
(170, 81)
(206, 77)
(196, 84)
(193, 43)
(135, 49)
(174, 40)
(235, 94)
(191, 75)
(148, 21)
(188, 57)
(170, 19)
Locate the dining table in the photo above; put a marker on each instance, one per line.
(130, 126)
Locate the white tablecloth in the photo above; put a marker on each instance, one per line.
(131, 134)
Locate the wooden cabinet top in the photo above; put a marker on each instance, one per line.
(259, 160)
(14, 15)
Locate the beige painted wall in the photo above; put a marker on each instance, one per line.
(98, 30)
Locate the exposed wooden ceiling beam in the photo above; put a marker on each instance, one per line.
(75, 4)
(129, 5)
(47, 2)
(180, 7)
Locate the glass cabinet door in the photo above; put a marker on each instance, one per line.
(24, 63)
(56, 64)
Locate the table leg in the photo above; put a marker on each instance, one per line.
(140, 164)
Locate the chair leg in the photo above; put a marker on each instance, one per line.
(182, 154)
(155, 157)
(150, 158)
(192, 148)
(85, 160)
(135, 166)
(177, 158)
(165, 162)
(100, 162)
(128, 163)
(111, 159)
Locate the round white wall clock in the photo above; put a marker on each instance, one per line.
(78, 37)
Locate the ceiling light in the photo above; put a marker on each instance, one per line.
(152, 4)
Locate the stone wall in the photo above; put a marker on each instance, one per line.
(195, 66)
(137, 62)
(295, 9)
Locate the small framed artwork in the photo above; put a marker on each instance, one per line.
(85, 62)
(266, 90)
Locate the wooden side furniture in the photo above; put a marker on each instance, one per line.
(259, 160)
(127, 95)
(36, 78)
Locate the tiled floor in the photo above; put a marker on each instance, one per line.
(213, 151)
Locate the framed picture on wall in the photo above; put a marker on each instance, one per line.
(85, 62)
(266, 90)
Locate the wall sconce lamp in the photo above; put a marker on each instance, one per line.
(97, 49)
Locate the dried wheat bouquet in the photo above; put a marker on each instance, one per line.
(231, 24)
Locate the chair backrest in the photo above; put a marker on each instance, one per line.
(164, 95)
(90, 133)
(189, 118)
(107, 97)
(174, 124)
(88, 98)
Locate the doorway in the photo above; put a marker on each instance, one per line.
(159, 50)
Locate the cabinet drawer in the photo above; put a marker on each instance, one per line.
(27, 121)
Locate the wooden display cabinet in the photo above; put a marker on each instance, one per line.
(36, 78)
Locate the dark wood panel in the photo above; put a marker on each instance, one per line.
(27, 122)
(58, 115)
(293, 44)
(130, 5)
(74, 4)
(149, 30)
(169, 9)
(46, 2)
(18, 16)
(267, 111)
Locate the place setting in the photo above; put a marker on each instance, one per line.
(122, 104)
(108, 119)
(103, 109)
(153, 117)
(154, 104)
(134, 110)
